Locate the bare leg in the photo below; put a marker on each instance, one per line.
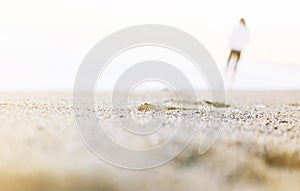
(228, 60)
(238, 56)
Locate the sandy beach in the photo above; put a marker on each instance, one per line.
(258, 148)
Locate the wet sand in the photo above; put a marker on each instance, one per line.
(258, 148)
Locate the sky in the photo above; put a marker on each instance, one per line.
(42, 43)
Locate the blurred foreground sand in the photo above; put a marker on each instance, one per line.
(258, 149)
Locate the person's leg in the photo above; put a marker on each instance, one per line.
(238, 56)
(229, 58)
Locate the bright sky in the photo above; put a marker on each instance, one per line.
(42, 43)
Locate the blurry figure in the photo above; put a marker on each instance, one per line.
(238, 39)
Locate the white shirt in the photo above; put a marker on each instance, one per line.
(239, 37)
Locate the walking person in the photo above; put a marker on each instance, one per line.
(238, 40)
